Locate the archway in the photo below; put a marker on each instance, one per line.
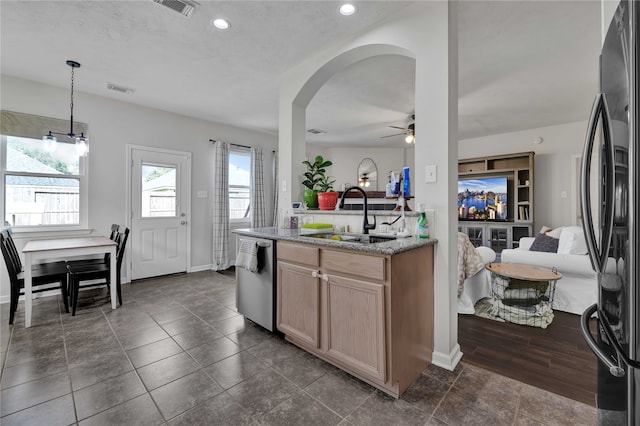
(427, 32)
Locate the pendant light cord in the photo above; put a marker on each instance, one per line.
(71, 103)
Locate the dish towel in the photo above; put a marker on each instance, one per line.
(247, 255)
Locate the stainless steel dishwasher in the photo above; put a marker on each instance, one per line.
(255, 291)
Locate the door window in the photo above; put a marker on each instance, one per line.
(158, 191)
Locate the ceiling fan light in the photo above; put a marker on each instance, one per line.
(410, 139)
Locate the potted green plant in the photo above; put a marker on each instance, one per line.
(327, 197)
(312, 178)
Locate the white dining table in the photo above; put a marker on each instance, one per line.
(65, 248)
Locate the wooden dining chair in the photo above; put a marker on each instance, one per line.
(97, 271)
(45, 277)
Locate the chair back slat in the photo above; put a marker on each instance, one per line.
(8, 259)
(122, 238)
(112, 236)
(114, 231)
(11, 247)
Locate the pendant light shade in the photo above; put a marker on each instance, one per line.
(82, 143)
(49, 142)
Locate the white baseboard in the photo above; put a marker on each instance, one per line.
(200, 268)
(447, 361)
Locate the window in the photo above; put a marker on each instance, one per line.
(239, 184)
(42, 188)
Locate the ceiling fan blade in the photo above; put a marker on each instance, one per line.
(400, 128)
(389, 136)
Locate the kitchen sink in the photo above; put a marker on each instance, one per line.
(352, 238)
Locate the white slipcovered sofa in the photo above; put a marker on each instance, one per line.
(578, 288)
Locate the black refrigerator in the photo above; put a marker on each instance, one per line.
(609, 204)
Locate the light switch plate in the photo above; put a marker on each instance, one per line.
(430, 174)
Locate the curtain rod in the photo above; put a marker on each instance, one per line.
(234, 144)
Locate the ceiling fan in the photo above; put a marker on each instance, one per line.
(409, 131)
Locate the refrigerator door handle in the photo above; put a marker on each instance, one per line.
(615, 369)
(598, 253)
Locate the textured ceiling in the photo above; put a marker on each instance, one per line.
(522, 64)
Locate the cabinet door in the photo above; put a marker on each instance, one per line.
(476, 235)
(499, 238)
(298, 307)
(356, 326)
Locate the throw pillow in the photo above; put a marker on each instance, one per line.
(544, 229)
(554, 233)
(572, 241)
(544, 243)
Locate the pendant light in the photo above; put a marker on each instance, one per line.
(50, 140)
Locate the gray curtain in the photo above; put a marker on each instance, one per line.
(275, 189)
(221, 258)
(256, 194)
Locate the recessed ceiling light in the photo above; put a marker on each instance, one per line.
(347, 9)
(221, 24)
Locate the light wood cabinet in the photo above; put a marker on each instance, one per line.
(369, 314)
(298, 292)
(355, 325)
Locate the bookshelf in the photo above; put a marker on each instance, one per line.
(518, 168)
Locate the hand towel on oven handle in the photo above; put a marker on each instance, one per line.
(247, 257)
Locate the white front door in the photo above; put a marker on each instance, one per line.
(159, 211)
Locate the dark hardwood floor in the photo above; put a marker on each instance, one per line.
(556, 359)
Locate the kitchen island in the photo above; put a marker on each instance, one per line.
(364, 307)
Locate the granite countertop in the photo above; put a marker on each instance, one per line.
(390, 247)
(357, 212)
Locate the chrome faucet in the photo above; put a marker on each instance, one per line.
(365, 224)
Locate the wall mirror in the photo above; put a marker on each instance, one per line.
(368, 175)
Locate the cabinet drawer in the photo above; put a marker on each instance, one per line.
(299, 253)
(355, 264)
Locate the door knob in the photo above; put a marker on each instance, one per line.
(183, 222)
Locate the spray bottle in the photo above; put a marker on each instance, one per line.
(422, 225)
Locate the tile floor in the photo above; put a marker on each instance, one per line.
(177, 353)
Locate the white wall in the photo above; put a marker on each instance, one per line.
(552, 162)
(112, 125)
(346, 161)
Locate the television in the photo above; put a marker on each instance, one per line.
(482, 199)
